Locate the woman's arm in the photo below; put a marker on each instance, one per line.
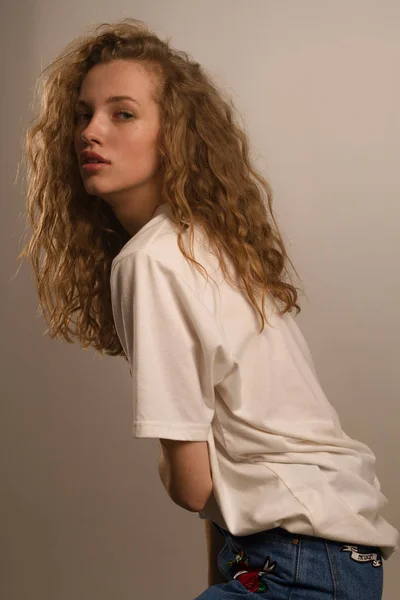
(215, 543)
(186, 473)
(164, 471)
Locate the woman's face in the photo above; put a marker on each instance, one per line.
(125, 133)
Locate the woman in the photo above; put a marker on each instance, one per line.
(156, 233)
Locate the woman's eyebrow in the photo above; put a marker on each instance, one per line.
(110, 100)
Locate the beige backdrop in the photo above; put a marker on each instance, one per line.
(83, 513)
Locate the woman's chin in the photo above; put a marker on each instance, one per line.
(95, 189)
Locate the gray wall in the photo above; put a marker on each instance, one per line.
(84, 514)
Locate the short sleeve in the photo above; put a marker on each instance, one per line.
(174, 349)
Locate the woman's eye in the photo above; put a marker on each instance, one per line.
(129, 115)
(121, 112)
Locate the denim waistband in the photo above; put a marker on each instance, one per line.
(279, 532)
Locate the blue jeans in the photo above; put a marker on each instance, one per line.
(278, 565)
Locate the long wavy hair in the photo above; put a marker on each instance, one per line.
(207, 179)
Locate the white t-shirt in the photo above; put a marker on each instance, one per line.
(201, 371)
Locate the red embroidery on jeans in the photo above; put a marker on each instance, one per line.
(250, 577)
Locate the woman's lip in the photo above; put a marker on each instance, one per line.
(94, 166)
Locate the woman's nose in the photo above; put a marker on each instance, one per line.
(87, 137)
(92, 132)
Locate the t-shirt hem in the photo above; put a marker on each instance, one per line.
(183, 431)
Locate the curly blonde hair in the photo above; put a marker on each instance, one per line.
(207, 180)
